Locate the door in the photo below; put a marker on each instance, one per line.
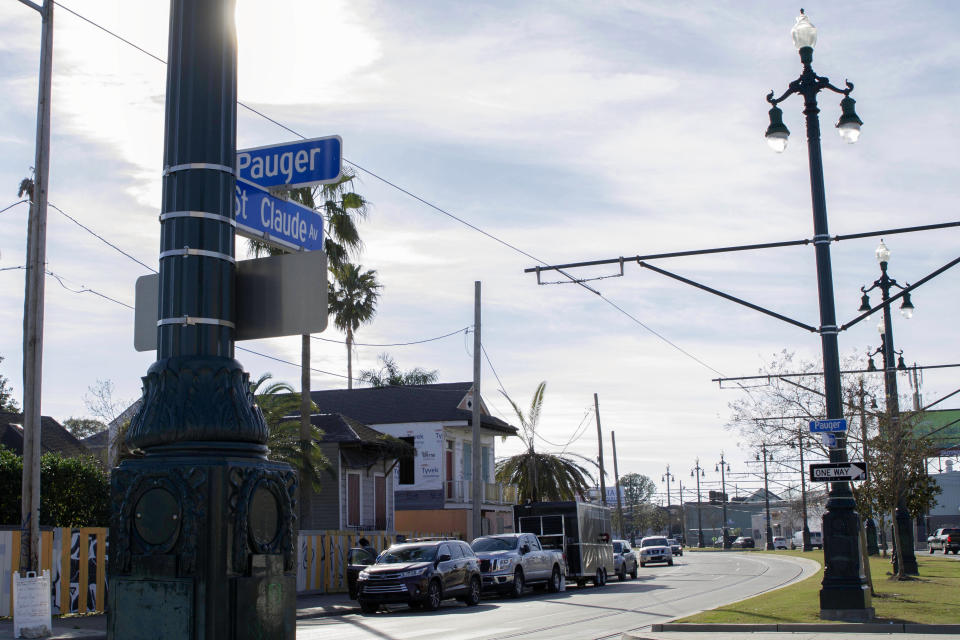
(448, 469)
(380, 502)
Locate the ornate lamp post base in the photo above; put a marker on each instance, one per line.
(201, 546)
(844, 594)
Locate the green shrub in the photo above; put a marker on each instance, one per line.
(74, 492)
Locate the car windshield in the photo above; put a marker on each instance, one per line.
(494, 544)
(655, 542)
(617, 547)
(408, 553)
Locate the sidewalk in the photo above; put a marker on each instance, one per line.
(94, 627)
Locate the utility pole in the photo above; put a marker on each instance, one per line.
(616, 479)
(603, 484)
(803, 494)
(683, 517)
(723, 496)
(33, 305)
(477, 472)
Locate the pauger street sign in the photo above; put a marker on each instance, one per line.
(828, 426)
(838, 471)
(281, 223)
(290, 165)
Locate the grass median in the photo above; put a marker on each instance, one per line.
(931, 598)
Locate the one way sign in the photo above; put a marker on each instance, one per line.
(838, 471)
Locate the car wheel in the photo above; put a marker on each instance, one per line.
(681, 552)
(622, 574)
(670, 562)
(633, 574)
(432, 602)
(517, 589)
(473, 595)
(598, 579)
(369, 607)
(555, 578)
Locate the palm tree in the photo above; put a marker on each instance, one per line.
(542, 476)
(389, 375)
(352, 299)
(341, 208)
(280, 406)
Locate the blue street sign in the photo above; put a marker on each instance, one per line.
(303, 163)
(828, 426)
(285, 224)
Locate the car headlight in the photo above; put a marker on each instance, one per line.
(413, 573)
(501, 563)
(363, 575)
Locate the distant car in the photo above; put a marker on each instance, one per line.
(779, 542)
(744, 542)
(655, 549)
(421, 574)
(816, 540)
(675, 546)
(624, 560)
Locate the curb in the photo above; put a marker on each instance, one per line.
(310, 614)
(848, 627)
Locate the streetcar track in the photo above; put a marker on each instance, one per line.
(640, 610)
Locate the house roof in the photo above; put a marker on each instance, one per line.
(98, 440)
(344, 430)
(53, 436)
(394, 405)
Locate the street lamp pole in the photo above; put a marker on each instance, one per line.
(697, 472)
(766, 498)
(723, 467)
(904, 529)
(668, 477)
(845, 594)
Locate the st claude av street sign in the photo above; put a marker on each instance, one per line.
(290, 165)
(838, 471)
(281, 223)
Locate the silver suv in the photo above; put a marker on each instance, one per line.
(655, 549)
(624, 560)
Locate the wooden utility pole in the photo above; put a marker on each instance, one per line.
(477, 471)
(603, 485)
(33, 305)
(616, 479)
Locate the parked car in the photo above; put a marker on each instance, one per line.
(744, 542)
(946, 540)
(624, 560)
(676, 546)
(510, 561)
(779, 542)
(421, 573)
(816, 540)
(655, 549)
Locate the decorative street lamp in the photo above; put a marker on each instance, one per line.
(766, 495)
(667, 477)
(845, 594)
(894, 427)
(697, 472)
(723, 467)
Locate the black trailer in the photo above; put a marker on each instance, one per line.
(580, 529)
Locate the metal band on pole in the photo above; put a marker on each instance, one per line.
(206, 215)
(190, 320)
(198, 165)
(186, 252)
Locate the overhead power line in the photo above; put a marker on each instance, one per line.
(428, 204)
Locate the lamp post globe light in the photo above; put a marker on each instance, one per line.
(697, 472)
(844, 594)
(904, 539)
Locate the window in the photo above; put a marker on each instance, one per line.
(405, 475)
(485, 463)
(467, 461)
(353, 499)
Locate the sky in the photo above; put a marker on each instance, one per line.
(527, 133)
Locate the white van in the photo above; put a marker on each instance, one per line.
(816, 540)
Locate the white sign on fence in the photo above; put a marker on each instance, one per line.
(31, 606)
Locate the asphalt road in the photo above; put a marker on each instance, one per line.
(696, 582)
